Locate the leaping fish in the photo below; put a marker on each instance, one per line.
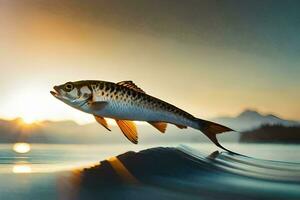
(126, 102)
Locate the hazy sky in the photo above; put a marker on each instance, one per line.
(208, 57)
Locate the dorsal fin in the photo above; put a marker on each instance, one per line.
(161, 126)
(102, 121)
(129, 130)
(131, 85)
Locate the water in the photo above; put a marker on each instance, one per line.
(166, 171)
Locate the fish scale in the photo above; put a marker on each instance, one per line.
(138, 106)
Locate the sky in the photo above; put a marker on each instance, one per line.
(209, 58)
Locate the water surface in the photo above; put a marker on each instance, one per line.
(188, 171)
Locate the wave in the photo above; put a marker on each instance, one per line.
(185, 173)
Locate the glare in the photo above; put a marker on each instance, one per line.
(21, 147)
(27, 104)
(35, 104)
(22, 168)
(28, 119)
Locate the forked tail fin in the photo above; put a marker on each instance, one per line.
(211, 129)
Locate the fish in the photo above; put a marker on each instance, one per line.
(125, 102)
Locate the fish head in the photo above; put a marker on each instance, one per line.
(75, 94)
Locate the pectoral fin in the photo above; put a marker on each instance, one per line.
(102, 121)
(129, 130)
(161, 126)
(180, 126)
(97, 105)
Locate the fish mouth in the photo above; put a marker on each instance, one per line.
(55, 92)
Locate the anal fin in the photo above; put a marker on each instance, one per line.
(129, 130)
(102, 121)
(161, 126)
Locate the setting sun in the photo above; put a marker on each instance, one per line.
(34, 104)
(29, 119)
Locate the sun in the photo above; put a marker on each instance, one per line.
(28, 119)
(29, 104)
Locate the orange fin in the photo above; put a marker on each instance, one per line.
(211, 129)
(131, 85)
(129, 130)
(102, 121)
(180, 126)
(161, 126)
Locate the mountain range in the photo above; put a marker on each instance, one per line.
(251, 119)
(272, 134)
(12, 131)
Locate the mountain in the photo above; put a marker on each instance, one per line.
(272, 134)
(69, 132)
(251, 119)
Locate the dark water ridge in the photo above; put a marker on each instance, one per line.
(248, 166)
(184, 173)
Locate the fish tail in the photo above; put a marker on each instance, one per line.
(211, 129)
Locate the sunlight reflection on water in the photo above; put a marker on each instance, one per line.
(21, 147)
(21, 168)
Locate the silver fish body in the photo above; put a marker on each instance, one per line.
(125, 102)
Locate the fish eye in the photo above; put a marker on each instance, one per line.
(69, 87)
